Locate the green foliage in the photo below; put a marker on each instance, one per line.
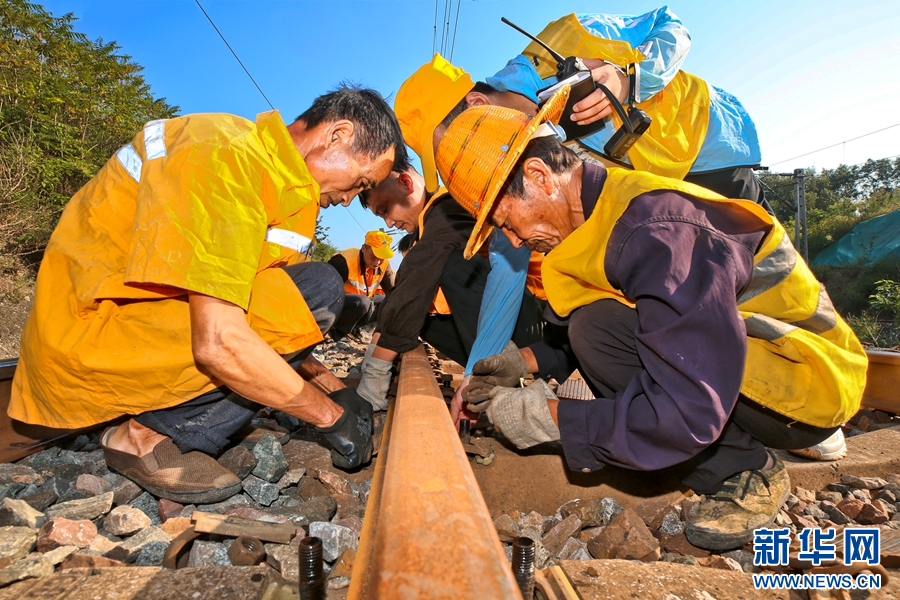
(837, 200)
(324, 248)
(886, 298)
(871, 331)
(66, 105)
(850, 288)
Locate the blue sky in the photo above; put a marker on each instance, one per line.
(811, 74)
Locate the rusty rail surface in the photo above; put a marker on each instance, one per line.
(883, 381)
(427, 532)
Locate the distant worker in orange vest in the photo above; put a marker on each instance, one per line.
(367, 276)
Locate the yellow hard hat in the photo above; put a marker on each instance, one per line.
(380, 243)
(479, 150)
(422, 103)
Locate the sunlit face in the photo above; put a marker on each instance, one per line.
(528, 222)
(372, 261)
(342, 172)
(395, 201)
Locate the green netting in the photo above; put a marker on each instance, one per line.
(866, 243)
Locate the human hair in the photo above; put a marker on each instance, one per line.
(480, 87)
(377, 128)
(556, 156)
(363, 195)
(406, 242)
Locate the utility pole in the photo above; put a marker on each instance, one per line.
(800, 230)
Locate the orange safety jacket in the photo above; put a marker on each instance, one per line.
(803, 360)
(211, 204)
(360, 279)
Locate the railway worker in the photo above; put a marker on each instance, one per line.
(367, 276)
(177, 280)
(715, 147)
(438, 294)
(702, 333)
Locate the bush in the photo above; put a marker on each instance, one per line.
(850, 288)
(66, 105)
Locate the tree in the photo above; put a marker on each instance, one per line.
(324, 248)
(66, 105)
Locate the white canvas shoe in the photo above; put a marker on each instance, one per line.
(832, 448)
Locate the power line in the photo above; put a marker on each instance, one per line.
(253, 80)
(354, 218)
(434, 37)
(446, 32)
(234, 53)
(455, 29)
(835, 145)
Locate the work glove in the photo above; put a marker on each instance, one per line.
(478, 396)
(351, 436)
(376, 380)
(522, 414)
(505, 369)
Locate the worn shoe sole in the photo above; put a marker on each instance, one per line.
(135, 469)
(833, 448)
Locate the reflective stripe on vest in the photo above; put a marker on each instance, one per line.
(291, 240)
(155, 139)
(803, 360)
(356, 275)
(129, 159)
(154, 147)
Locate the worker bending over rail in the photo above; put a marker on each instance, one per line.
(699, 133)
(176, 290)
(367, 276)
(702, 333)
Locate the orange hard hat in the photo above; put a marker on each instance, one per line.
(480, 149)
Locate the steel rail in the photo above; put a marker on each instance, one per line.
(427, 532)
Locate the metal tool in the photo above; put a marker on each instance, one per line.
(634, 122)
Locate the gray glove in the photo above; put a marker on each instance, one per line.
(522, 414)
(505, 369)
(376, 380)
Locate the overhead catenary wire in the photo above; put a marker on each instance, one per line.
(455, 29)
(237, 58)
(835, 145)
(234, 53)
(447, 43)
(447, 12)
(434, 37)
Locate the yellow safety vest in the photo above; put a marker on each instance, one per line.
(359, 281)
(803, 360)
(203, 203)
(680, 112)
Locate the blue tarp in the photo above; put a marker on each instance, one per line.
(866, 243)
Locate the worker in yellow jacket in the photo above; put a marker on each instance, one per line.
(702, 333)
(177, 280)
(367, 276)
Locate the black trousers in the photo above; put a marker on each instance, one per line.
(358, 310)
(463, 283)
(206, 422)
(602, 335)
